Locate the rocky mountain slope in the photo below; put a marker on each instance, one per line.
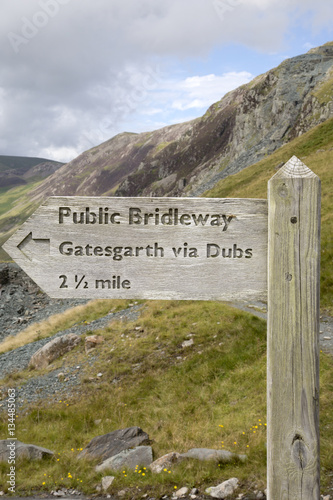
(186, 159)
(17, 170)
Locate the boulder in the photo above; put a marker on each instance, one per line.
(165, 462)
(16, 449)
(217, 455)
(92, 341)
(53, 350)
(182, 492)
(128, 459)
(223, 490)
(109, 445)
(106, 482)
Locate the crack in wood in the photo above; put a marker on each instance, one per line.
(300, 452)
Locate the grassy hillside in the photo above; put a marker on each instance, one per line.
(315, 149)
(19, 163)
(220, 402)
(15, 208)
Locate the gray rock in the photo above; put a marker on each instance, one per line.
(13, 448)
(142, 456)
(165, 462)
(106, 482)
(271, 106)
(187, 343)
(92, 341)
(59, 493)
(217, 455)
(53, 350)
(182, 492)
(224, 489)
(109, 445)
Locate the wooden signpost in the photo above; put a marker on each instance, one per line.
(207, 249)
(293, 333)
(148, 248)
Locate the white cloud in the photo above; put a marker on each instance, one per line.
(74, 72)
(202, 91)
(59, 153)
(308, 46)
(152, 111)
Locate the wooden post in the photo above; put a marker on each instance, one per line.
(293, 468)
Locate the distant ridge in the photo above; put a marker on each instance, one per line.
(16, 170)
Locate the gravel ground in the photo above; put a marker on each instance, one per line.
(23, 303)
(18, 295)
(20, 357)
(49, 386)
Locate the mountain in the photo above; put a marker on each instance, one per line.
(17, 170)
(246, 125)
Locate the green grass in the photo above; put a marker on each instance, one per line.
(10, 197)
(315, 149)
(212, 394)
(324, 92)
(161, 146)
(15, 208)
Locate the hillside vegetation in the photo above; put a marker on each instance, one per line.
(15, 208)
(18, 170)
(315, 149)
(221, 400)
(20, 164)
(210, 394)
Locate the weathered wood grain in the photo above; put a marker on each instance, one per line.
(167, 248)
(293, 332)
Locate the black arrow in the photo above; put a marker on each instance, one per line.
(32, 247)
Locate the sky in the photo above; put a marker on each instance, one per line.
(74, 73)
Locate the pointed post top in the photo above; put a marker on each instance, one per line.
(294, 168)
